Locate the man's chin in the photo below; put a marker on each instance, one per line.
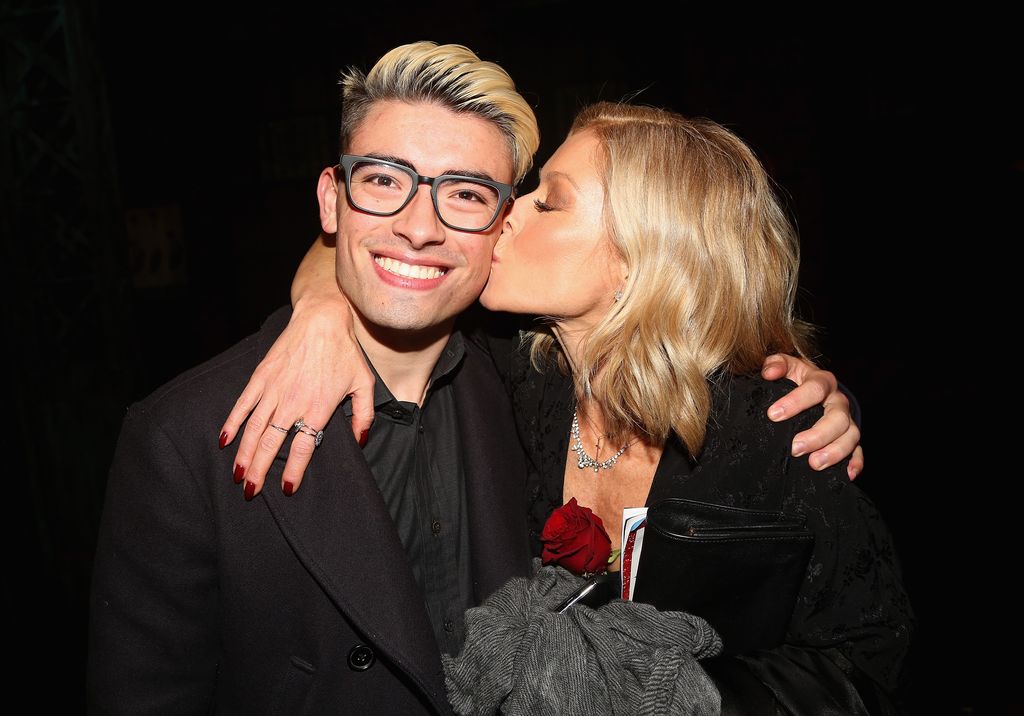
(383, 322)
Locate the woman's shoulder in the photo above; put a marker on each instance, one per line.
(741, 402)
(739, 411)
(750, 454)
(747, 397)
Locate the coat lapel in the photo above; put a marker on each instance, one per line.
(339, 527)
(495, 475)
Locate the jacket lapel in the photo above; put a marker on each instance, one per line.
(495, 475)
(339, 527)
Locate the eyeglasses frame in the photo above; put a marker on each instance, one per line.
(506, 192)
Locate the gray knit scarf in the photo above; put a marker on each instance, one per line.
(521, 657)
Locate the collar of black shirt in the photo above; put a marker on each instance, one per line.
(451, 356)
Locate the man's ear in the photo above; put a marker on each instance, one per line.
(327, 194)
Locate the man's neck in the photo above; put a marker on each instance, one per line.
(403, 358)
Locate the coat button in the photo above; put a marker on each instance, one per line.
(360, 657)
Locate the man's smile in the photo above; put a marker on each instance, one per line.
(399, 268)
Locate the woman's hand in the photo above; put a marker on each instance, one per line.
(306, 374)
(834, 436)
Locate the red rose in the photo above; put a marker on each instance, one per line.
(574, 538)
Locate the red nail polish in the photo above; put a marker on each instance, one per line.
(250, 489)
(363, 437)
(239, 473)
(289, 489)
(223, 439)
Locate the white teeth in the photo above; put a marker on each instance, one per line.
(408, 270)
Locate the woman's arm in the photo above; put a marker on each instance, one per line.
(316, 362)
(307, 373)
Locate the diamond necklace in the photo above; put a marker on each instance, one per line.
(585, 460)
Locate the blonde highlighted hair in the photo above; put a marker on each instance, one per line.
(451, 76)
(712, 266)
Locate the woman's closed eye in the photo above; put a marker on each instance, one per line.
(542, 206)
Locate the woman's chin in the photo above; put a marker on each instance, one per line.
(489, 303)
(492, 299)
(508, 298)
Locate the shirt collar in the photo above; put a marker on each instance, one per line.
(447, 362)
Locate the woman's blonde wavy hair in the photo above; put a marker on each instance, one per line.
(448, 75)
(712, 264)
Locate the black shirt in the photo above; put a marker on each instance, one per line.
(416, 457)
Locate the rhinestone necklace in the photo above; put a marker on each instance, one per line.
(585, 460)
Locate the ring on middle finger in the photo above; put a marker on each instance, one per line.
(317, 435)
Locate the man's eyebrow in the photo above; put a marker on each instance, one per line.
(472, 173)
(391, 158)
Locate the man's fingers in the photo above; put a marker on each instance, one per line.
(856, 463)
(836, 449)
(811, 392)
(831, 454)
(774, 367)
(832, 429)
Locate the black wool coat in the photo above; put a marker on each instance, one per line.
(203, 602)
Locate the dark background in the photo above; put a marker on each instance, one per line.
(159, 165)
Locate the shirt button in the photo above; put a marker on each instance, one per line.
(360, 657)
(448, 626)
(435, 526)
(421, 427)
(397, 413)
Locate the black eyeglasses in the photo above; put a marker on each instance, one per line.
(384, 188)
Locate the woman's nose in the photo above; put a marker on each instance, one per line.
(513, 217)
(506, 221)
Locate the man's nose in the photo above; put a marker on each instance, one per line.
(418, 222)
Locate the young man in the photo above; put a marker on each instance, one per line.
(342, 596)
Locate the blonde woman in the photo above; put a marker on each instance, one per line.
(667, 269)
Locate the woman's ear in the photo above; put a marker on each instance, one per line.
(327, 195)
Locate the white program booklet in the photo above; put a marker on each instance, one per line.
(634, 519)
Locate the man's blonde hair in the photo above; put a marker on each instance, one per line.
(451, 76)
(712, 264)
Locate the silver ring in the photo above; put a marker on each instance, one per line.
(278, 427)
(317, 435)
